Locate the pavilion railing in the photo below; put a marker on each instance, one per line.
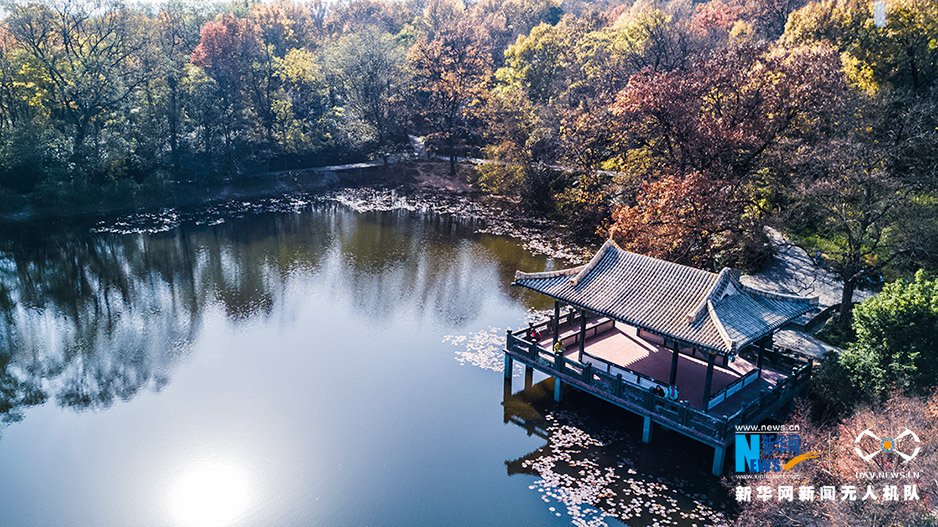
(628, 375)
(730, 389)
(568, 321)
(642, 400)
(635, 396)
(767, 398)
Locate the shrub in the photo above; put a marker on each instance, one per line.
(896, 343)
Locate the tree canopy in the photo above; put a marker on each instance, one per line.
(682, 129)
(896, 345)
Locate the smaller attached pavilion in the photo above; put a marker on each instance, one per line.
(642, 324)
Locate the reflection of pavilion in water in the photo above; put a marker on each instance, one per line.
(645, 325)
(520, 407)
(588, 465)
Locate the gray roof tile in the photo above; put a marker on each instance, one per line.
(700, 308)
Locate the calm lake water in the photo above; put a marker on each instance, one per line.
(311, 367)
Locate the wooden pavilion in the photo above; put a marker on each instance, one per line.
(636, 323)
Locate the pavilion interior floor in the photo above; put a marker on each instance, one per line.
(622, 346)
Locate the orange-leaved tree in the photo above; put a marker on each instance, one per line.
(451, 78)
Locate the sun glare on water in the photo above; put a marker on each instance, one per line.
(215, 494)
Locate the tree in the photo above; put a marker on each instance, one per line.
(510, 118)
(450, 82)
(504, 21)
(693, 220)
(174, 33)
(28, 139)
(357, 16)
(901, 55)
(724, 114)
(226, 52)
(280, 27)
(858, 188)
(770, 16)
(284, 26)
(896, 345)
(656, 40)
(440, 16)
(366, 70)
(536, 62)
(588, 202)
(88, 53)
(302, 111)
(702, 140)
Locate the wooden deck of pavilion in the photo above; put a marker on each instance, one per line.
(622, 347)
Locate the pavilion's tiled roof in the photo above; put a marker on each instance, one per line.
(700, 308)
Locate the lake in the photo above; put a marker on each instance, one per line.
(303, 365)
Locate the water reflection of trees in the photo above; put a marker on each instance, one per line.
(88, 319)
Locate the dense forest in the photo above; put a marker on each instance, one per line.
(681, 129)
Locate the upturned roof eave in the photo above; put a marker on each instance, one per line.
(702, 307)
(633, 323)
(741, 344)
(777, 325)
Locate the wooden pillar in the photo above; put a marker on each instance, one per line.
(765, 344)
(508, 366)
(556, 322)
(674, 359)
(646, 430)
(558, 384)
(719, 454)
(711, 357)
(726, 360)
(528, 376)
(582, 333)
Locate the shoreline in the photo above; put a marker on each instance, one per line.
(496, 214)
(415, 185)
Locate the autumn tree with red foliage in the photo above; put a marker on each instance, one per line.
(730, 109)
(707, 140)
(226, 49)
(225, 52)
(692, 219)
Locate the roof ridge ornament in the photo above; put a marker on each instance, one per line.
(719, 285)
(730, 343)
(594, 261)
